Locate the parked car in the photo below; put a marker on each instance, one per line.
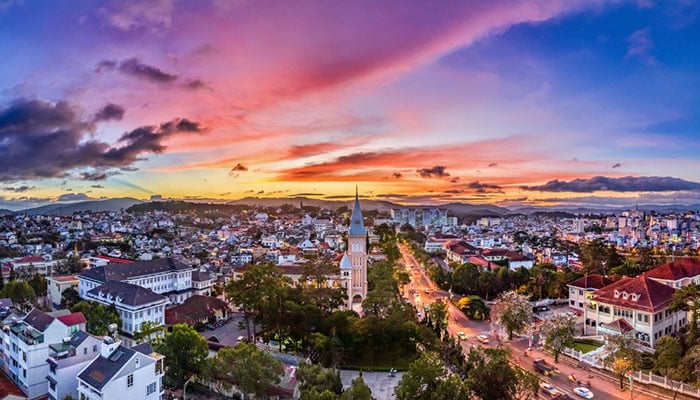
(549, 389)
(483, 339)
(462, 336)
(583, 392)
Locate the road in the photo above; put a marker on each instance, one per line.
(421, 291)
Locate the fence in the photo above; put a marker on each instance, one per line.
(594, 359)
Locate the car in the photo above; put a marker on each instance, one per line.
(240, 338)
(462, 336)
(549, 389)
(483, 339)
(583, 392)
(427, 291)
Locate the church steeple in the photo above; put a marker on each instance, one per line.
(357, 226)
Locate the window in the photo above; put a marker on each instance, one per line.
(150, 389)
(130, 380)
(94, 348)
(84, 350)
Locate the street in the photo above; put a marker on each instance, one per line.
(422, 292)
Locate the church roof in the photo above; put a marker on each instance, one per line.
(357, 226)
(345, 262)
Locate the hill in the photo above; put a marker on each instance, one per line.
(92, 205)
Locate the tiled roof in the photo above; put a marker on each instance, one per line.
(619, 325)
(194, 309)
(73, 319)
(101, 370)
(673, 271)
(131, 295)
(653, 295)
(120, 272)
(38, 320)
(199, 276)
(592, 281)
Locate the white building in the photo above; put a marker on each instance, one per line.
(120, 373)
(66, 359)
(25, 347)
(56, 285)
(165, 276)
(135, 305)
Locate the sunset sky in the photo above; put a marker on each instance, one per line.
(502, 102)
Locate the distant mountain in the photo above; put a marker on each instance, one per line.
(474, 209)
(92, 205)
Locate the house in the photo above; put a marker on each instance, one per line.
(678, 273)
(56, 285)
(119, 373)
(135, 305)
(165, 276)
(582, 289)
(197, 309)
(25, 347)
(460, 251)
(66, 359)
(638, 307)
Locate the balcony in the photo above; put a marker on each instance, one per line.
(60, 351)
(27, 334)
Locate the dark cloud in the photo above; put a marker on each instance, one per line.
(493, 164)
(18, 189)
(437, 171)
(109, 112)
(616, 165)
(305, 194)
(73, 197)
(156, 197)
(397, 175)
(260, 192)
(455, 179)
(97, 186)
(453, 191)
(337, 197)
(623, 184)
(106, 65)
(391, 195)
(195, 84)
(42, 139)
(137, 69)
(479, 185)
(93, 176)
(239, 167)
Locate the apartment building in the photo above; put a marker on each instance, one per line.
(25, 346)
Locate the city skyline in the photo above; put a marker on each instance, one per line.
(512, 103)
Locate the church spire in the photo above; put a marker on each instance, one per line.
(357, 226)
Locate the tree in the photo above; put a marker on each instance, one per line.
(69, 298)
(185, 351)
(421, 379)
(99, 317)
(687, 298)
(69, 266)
(490, 376)
(252, 369)
(437, 314)
(688, 369)
(38, 283)
(20, 292)
(149, 331)
(559, 334)
(358, 390)
(621, 357)
(314, 380)
(512, 311)
(668, 354)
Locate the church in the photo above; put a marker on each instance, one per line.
(353, 265)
